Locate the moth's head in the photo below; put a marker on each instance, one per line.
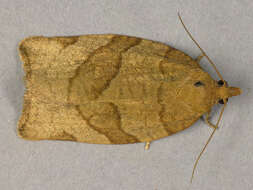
(223, 91)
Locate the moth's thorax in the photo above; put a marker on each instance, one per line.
(196, 90)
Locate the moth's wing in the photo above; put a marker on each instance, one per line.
(145, 89)
(62, 75)
(68, 91)
(103, 123)
(55, 66)
(50, 63)
(97, 123)
(156, 109)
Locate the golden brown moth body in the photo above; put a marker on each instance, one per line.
(112, 89)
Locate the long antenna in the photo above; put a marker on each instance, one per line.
(207, 142)
(212, 63)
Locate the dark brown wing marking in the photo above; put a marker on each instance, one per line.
(101, 67)
(107, 122)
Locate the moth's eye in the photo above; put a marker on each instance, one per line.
(199, 83)
(220, 82)
(221, 101)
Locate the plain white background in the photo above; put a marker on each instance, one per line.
(224, 30)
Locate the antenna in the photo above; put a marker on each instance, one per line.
(212, 63)
(223, 108)
(207, 142)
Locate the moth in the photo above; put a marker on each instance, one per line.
(113, 89)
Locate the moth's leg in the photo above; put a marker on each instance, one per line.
(199, 58)
(207, 117)
(147, 145)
